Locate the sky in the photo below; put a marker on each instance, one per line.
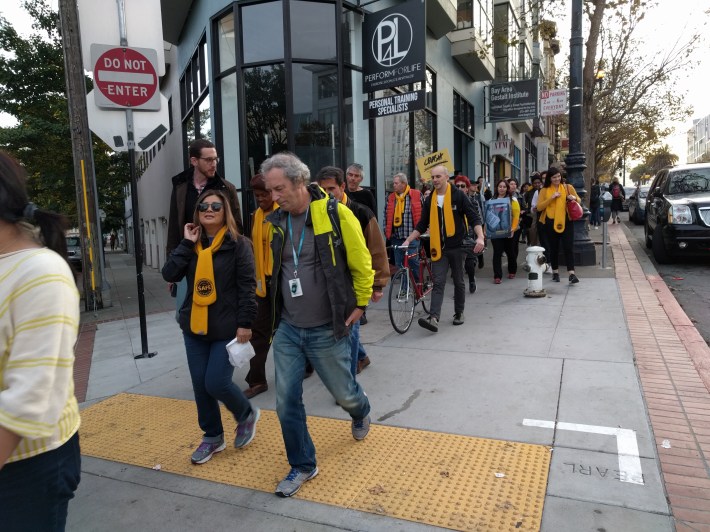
(663, 26)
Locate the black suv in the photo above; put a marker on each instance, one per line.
(678, 212)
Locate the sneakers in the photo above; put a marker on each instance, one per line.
(471, 287)
(458, 318)
(246, 430)
(205, 451)
(431, 323)
(362, 364)
(497, 280)
(511, 276)
(618, 220)
(556, 277)
(360, 428)
(573, 278)
(293, 481)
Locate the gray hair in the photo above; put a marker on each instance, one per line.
(358, 167)
(402, 177)
(293, 168)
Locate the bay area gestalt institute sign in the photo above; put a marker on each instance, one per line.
(514, 100)
(393, 46)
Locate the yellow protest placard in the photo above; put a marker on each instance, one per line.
(426, 163)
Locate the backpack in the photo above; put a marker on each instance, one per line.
(615, 192)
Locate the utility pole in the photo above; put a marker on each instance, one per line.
(84, 175)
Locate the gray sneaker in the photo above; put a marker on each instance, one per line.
(360, 428)
(205, 451)
(293, 481)
(431, 323)
(246, 430)
(458, 318)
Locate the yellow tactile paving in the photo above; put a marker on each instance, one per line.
(446, 480)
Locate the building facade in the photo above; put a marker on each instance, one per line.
(259, 77)
(699, 141)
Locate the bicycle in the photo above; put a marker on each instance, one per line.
(406, 292)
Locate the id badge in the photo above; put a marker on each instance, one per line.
(295, 287)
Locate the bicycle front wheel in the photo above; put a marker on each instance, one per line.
(401, 302)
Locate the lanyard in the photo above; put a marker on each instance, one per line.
(300, 243)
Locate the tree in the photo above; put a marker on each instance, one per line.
(625, 115)
(32, 89)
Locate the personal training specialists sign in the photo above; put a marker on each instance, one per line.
(394, 104)
(393, 46)
(515, 100)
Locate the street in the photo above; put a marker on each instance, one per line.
(686, 278)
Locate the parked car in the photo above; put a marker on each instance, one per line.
(637, 204)
(74, 251)
(678, 212)
(628, 191)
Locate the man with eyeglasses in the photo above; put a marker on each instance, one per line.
(187, 187)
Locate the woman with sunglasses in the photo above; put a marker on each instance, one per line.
(507, 244)
(220, 305)
(556, 225)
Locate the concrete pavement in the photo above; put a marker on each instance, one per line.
(558, 371)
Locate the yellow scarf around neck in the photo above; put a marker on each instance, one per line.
(399, 207)
(344, 199)
(263, 256)
(449, 226)
(204, 292)
(560, 209)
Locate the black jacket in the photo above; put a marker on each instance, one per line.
(462, 207)
(235, 281)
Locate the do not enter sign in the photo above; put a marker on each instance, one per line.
(125, 78)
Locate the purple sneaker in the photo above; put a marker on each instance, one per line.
(205, 451)
(246, 430)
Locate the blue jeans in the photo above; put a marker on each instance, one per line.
(35, 492)
(211, 375)
(357, 351)
(331, 360)
(399, 255)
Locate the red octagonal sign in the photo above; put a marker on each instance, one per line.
(126, 78)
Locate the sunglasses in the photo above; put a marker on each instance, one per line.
(216, 206)
(462, 185)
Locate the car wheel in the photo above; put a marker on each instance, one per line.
(646, 235)
(660, 253)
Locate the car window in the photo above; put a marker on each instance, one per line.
(689, 181)
(73, 241)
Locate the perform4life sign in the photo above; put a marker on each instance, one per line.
(125, 78)
(394, 51)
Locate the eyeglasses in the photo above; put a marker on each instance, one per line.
(216, 206)
(210, 160)
(461, 185)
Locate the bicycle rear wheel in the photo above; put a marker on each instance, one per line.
(427, 287)
(401, 302)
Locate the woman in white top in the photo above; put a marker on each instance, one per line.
(39, 320)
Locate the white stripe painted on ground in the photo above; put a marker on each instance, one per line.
(626, 444)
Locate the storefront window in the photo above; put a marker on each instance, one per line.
(312, 30)
(356, 132)
(262, 32)
(230, 128)
(226, 44)
(352, 38)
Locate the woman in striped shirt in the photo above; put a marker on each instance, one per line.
(39, 320)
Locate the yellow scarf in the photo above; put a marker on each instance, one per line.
(344, 199)
(399, 207)
(560, 209)
(204, 292)
(449, 226)
(263, 256)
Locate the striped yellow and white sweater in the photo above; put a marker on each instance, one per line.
(39, 322)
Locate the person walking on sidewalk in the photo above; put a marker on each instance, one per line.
(471, 259)
(264, 262)
(558, 229)
(321, 283)
(402, 214)
(187, 186)
(220, 305)
(332, 181)
(618, 194)
(506, 244)
(40, 461)
(447, 213)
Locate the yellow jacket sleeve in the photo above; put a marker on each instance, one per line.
(359, 259)
(515, 207)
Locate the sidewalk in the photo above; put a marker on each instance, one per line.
(590, 371)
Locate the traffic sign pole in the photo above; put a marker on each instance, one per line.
(137, 240)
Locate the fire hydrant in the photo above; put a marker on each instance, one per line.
(535, 265)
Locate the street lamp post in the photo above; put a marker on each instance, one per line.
(584, 252)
